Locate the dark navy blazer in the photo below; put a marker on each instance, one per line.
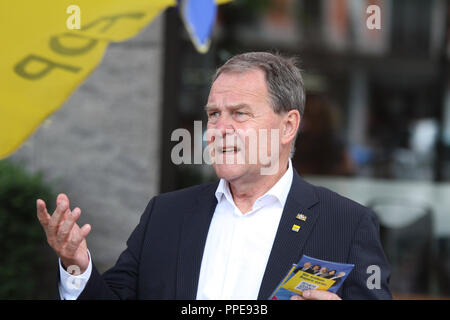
(164, 252)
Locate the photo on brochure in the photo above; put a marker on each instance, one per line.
(311, 274)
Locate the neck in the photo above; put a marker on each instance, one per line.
(245, 193)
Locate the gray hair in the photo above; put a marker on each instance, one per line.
(283, 78)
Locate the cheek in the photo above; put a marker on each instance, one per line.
(212, 134)
(261, 125)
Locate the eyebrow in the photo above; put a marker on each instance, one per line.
(232, 107)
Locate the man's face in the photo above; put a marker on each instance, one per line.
(238, 107)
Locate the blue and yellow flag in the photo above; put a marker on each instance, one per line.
(43, 60)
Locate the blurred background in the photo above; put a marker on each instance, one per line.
(376, 129)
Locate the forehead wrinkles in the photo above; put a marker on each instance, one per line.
(233, 96)
(239, 86)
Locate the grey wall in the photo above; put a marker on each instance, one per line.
(102, 146)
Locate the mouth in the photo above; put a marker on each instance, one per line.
(228, 150)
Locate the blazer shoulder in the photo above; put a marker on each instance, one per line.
(188, 194)
(340, 204)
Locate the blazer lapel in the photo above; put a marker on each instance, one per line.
(192, 242)
(288, 244)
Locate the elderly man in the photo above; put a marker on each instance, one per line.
(236, 238)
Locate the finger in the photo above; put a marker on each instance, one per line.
(295, 297)
(320, 295)
(42, 213)
(85, 230)
(57, 216)
(62, 197)
(67, 224)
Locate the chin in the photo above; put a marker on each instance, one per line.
(229, 172)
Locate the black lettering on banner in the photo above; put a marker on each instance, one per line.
(48, 65)
(56, 46)
(22, 67)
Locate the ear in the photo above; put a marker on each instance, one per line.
(290, 125)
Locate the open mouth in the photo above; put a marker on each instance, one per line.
(229, 150)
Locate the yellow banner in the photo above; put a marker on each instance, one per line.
(43, 60)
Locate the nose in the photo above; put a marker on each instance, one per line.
(222, 126)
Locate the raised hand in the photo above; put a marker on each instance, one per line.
(63, 233)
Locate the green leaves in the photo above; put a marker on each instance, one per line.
(21, 236)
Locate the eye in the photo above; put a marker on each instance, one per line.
(213, 115)
(240, 116)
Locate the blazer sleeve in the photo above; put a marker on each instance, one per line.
(120, 282)
(366, 250)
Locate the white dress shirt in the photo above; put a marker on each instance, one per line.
(237, 247)
(70, 286)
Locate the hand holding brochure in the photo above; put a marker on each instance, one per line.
(311, 274)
